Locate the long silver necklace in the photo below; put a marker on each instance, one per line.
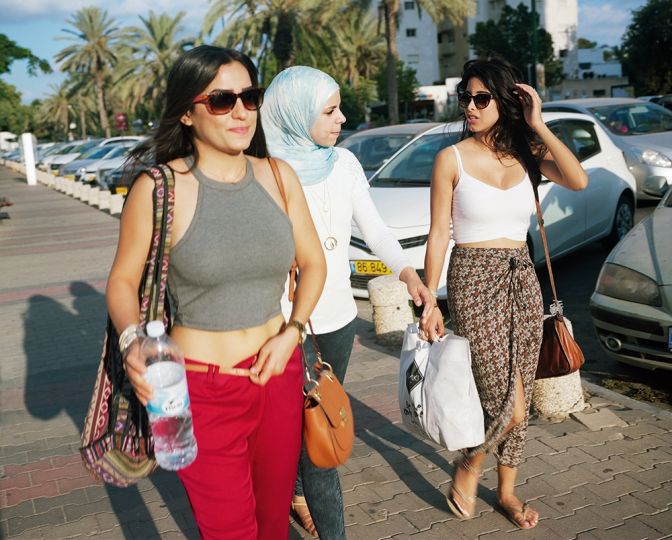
(330, 241)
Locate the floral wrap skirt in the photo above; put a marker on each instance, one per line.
(495, 302)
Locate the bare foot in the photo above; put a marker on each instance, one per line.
(520, 514)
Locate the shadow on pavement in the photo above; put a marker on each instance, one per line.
(53, 385)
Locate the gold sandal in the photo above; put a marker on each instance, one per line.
(510, 512)
(302, 513)
(455, 506)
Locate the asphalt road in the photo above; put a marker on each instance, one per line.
(576, 276)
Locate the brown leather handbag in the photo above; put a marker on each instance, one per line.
(559, 354)
(328, 426)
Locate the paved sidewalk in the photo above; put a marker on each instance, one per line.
(55, 252)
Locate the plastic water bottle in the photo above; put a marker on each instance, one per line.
(169, 412)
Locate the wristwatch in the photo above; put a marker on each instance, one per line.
(300, 327)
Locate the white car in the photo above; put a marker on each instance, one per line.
(604, 210)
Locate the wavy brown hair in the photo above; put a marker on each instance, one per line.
(511, 135)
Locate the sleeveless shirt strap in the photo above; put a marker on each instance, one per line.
(278, 181)
(459, 160)
(281, 188)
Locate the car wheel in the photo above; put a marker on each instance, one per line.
(624, 218)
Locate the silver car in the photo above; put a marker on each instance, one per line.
(641, 129)
(632, 302)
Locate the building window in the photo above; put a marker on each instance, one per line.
(563, 53)
(438, 37)
(410, 32)
(409, 5)
(413, 59)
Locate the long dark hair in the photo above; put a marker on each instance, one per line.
(189, 76)
(511, 135)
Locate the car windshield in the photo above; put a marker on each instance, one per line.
(97, 152)
(413, 165)
(373, 151)
(634, 118)
(118, 151)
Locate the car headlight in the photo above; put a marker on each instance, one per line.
(621, 282)
(651, 157)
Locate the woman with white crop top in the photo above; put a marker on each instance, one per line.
(485, 184)
(302, 119)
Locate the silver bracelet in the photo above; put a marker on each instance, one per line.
(128, 336)
(435, 292)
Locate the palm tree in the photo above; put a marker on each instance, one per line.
(280, 27)
(146, 59)
(438, 10)
(92, 54)
(55, 108)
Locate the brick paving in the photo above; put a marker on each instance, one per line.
(613, 483)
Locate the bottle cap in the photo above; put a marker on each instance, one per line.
(155, 329)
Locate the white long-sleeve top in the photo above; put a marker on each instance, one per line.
(333, 204)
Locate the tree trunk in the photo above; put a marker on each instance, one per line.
(391, 8)
(82, 121)
(102, 111)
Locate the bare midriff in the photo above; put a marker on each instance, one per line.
(225, 349)
(495, 243)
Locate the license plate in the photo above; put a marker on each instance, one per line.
(369, 268)
(69, 176)
(122, 190)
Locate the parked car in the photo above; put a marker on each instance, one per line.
(58, 150)
(63, 159)
(603, 211)
(373, 146)
(84, 169)
(642, 130)
(632, 303)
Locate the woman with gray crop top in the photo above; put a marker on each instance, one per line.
(236, 230)
(302, 120)
(485, 184)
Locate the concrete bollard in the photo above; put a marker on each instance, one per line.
(76, 189)
(85, 193)
(104, 200)
(391, 310)
(69, 187)
(557, 397)
(94, 196)
(116, 204)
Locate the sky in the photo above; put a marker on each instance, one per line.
(36, 25)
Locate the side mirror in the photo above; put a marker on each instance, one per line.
(656, 186)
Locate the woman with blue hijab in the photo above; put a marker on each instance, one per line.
(302, 120)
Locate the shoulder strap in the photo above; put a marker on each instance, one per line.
(542, 231)
(459, 160)
(279, 182)
(281, 188)
(153, 287)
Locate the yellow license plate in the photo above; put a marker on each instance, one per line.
(122, 190)
(369, 268)
(69, 176)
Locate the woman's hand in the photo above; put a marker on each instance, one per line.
(274, 355)
(135, 368)
(531, 102)
(431, 327)
(420, 294)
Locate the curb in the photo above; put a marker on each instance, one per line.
(611, 395)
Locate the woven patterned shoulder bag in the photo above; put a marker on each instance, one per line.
(116, 443)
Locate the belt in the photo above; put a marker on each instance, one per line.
(217, 370)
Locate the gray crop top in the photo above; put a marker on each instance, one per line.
(228, 271)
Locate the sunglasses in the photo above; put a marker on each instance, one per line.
(223, 101)
(481, 100)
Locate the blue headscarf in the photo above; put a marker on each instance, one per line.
(292, 103)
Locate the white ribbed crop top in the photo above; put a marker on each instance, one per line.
(483, 212)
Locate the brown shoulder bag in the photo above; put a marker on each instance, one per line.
(559, 354)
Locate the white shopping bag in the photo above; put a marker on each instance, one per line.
(437, 393)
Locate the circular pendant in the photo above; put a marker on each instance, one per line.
(330, 243)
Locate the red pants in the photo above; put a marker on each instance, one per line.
(249, 438)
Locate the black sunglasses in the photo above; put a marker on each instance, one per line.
(223, 101)
(481, 99)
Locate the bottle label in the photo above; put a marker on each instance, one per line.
(171, 397)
